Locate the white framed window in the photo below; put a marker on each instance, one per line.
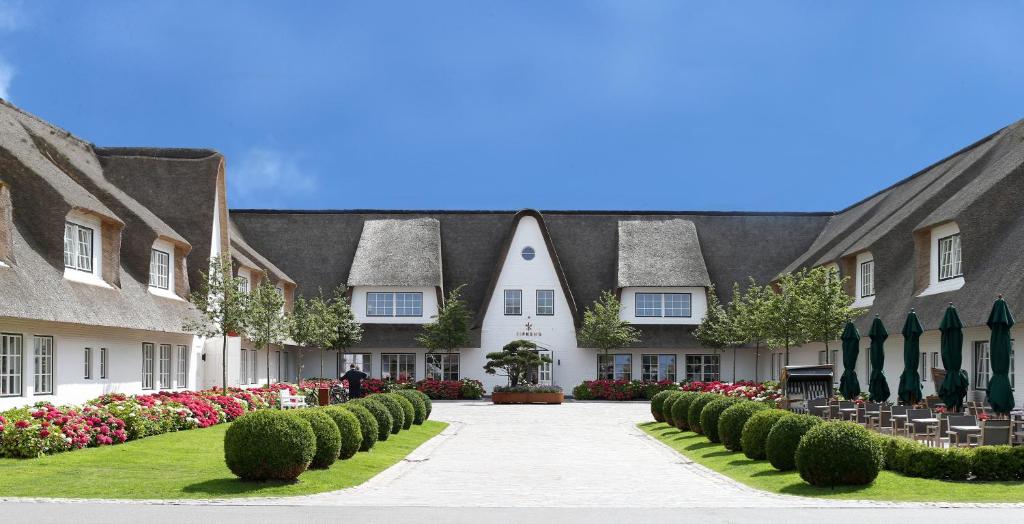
(243, 370)
(513, 302)
(78, 247)
(658, 367)
(253, 378)
(442, 366)
(409, 304)
(148, 359)
(11, 365)
(545, 302)
(87, 364)
(165, 366)
(394, 304)
(362, 361)
(663, 305)
(160, 269)
(104, 363)
(400, 367)
(43, 355)
(867, 279)
(706, 368)
(950, 257)
(615, 366)
(924, 367)
(181, 372)
(983, 365)
(243, 284)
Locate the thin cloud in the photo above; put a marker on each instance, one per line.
(6, 75)
(263, 177)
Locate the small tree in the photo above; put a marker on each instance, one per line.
(450, 330)
(313, 325)
(265, 319)
(221, 306)
(753, 317)
(720, 327)
(603, 327)
(517, 359)
(347, 330)
(825, 306)
(785, 320)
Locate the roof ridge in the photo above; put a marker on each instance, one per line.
(51, 125)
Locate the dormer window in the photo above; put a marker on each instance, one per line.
(949, 257)
(160, 269)
(78, 247)
(867, 279)
(941, 245)
(399, 304)
(243, 284)
(663, 304)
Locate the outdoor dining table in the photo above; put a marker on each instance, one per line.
(956, 430)
(928, 421)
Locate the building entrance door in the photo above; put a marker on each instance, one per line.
(545, 370)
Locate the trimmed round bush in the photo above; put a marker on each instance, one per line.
(696, 406)
(732, 420)
(666, 407)
(755, 431)
(269, 445)
(838, 454)
(680, 408)
(351, 433)
(898, 453)
(367, 425)
(379, 412)
(996, 463)
(394, 409)
(656, 402)
(419, 408)
(582, 392)
(328, 437)
(712, 412)
(408, 410)
(427, 403)
(784, 437)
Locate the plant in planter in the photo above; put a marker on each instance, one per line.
(517, 359)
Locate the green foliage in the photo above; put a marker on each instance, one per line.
(380, 412)
(603, 327)
(755, 432)
(408, 410)
(221, 306)
(914, 459)
(350, 429)
(328, 437)
(429, 404)
(656, 402)
(711, 414)
(997, 463)
(680, 409)
(666, 407)
(695, 409)
(732, 420)
(582, 392)
(265, 321)
(471, 389)
(269, 444)
(313, 326)
(347, 331)
(367, 425)
(784, 437)
(517, 359)
(450, 330)
(824, 304)
(394, 409)
(838, 454)
(786, 323)
(720, 327)
(419, 408)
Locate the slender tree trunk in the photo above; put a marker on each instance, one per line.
(224, 359)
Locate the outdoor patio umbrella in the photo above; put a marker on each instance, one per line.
(954, 388)
(848, 384)
(877, 385)
(1000, 395)
(910, 380)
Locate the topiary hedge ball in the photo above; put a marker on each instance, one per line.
(351, 432)
(394, 409)
(696, 407)
(419, 408)
(367, 425)
(755, 431)
(328, 437)
(680, 409)
(656, 403)
(427, 403)
(711, 413)
(732, 420)
(997, 463)
(666, 407)
(269, 445)
(838, 454)
(407, 409)
(379, 412)
(784, 437)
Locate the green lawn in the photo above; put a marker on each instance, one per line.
(186, 465)
(888, 486)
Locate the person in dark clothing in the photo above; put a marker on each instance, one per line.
(355, 381)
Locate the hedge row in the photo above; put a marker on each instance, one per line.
(280, 445)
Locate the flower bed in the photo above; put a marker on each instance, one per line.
(527, 394)
(620, 389)
(767, 392)
(465, 389)
(45, 429)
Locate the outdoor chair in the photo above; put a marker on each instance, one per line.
(882, 422)
(917, 429)
(959, 437)
(994, 432)
(863, 414)
(833, 410)
(845, 404)
(898, 423)
(818, 407)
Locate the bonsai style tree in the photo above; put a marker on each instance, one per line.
(825, 306)
(450, 330)
(517, 359)
(221, 306)
(603, 327)
(265, 319)
(347, 330)
(313, 325)
(753, 317)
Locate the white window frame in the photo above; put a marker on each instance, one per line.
(12, 365)
(181, 371)
(104, 363)
(545, 302)
(950, 261)
(165, 366)
(923, 365)
(254, 367)
(148, 365)
(363, 361)
(618, 366)
(707, 367)
(243, 367)
(867, 278)
(43, 358)
(75, 244)
(513, 302)
(441, 366)
(87, 364)
(159, 269)
(403, 362)
(982, 364)
(243, 284)
(651, 368)
(656, 305)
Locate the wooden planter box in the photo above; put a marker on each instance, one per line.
(527, 398)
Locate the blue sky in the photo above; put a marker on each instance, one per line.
(502, 105)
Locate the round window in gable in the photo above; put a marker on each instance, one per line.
(528, 253)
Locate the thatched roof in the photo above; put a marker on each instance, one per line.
(398, 252)
(242, 252)
(656, 253)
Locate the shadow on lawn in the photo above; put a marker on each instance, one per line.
(232, 486)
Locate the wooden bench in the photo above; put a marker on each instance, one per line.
(289, 401)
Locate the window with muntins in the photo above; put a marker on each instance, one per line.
(87, 363)
(181, 376)
(165, 366)
(867, 279)
(545, 302)
(513, 302)
(160, 269)
(400, 367)
(243, 284)
(658, 367)
(983, 365)
(148, 359)
(104, 363)
(923, 364)
(243, 369)
(394, 304)
(705, 368)
(11, 365)
(663, 304)
(362, 361)
(78, 247)
(252, 367)
(615, 367)
(949, 257)
(43, 355)
(442, 366)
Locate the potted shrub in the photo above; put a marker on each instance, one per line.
(527, 394)
(516, 361)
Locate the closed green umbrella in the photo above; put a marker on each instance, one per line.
(954, 388)
(1000, 395)
(849, 386)
(877, 385)
(910, 380)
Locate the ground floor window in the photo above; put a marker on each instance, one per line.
(614, 367)
(147, 365)
(702, 368)
(181, 375)
(104, 363)
(400, 367)
(983, 365)
(658, 367)
(165, 366)
(277, 358)
(243, 368)
(253, 375)
(362, 361)
(10, 365)
(43, 354)
(87, 363)
(442, 366)
(923, 364)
